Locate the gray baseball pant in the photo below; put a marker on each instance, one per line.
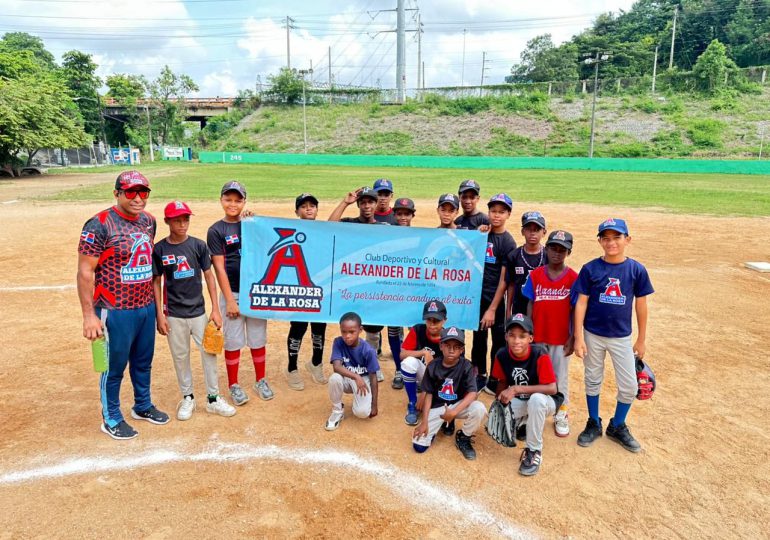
(362, 405)
(179, 333)
(473, 416)
(536, 409)
(560, 369)
(622, 355)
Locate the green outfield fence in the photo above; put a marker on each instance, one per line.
(468, 162)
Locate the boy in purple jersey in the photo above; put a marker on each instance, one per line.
(606, 289)
(472, 218)
(179, 261)
(114, 282)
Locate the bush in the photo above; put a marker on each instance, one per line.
(466, 105)
(706, 133)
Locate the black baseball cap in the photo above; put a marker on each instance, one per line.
(519, 320)
(301, 199)
(469, 185)
(450, 198)
(533, 217)
(234, 186)
(368, 193)
(560, 238)
(452, 333)
(404, 204)
(434, 309)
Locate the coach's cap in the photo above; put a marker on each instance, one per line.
(303, 198)
(613, 224)
(434, 309)
(449, 198)
(404, 204)
(469, 185)
(533, 217)
(367, 193)
(501, 198)
(234, 186)
(176, 209)
(560, 238)
(383, 184)
(132, 181)
(453, 333)
(519, 320)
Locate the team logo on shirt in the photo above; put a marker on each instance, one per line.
(447, 392)
(490, 255)
(139, 267)
(88, 237)
(183, 269)
(286, 284)
(612, 293)
(520, 377)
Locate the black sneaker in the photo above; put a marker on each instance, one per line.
(481, 383)
(465, 444)
(622, 436)
(152, 415)
(592, 432)
(120, 432)
(530, 462)
(491, 386)
(448, 429)
(521, 432)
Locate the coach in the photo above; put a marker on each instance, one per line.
(115, 288)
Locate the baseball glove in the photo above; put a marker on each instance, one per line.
(501, 424)
(645, 378)
(213, 339)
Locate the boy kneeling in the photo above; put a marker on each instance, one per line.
(450, 392)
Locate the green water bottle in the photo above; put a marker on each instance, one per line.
(100, 352)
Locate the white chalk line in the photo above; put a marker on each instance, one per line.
(406, 484)
(14, 201)
(37, 288)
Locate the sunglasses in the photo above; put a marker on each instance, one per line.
(130, 195)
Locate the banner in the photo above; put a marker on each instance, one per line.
(303, 270)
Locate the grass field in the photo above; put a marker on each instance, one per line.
(741, 195)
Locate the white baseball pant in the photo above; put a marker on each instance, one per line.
(242, 330)
(362, 405)
(473, 416)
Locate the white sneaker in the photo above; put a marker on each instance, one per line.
(561, 422)
(334, 419)
(295, 380)
(316, 372)
(380, 376)
(263, 390)
(220, 407)
(184, 410)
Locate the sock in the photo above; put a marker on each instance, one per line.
(394, 341)
(410, 385)
(294, 342)
(190, 396)
(621, 411)
(258, 356)
(212, 398)
(318, 337)
(232, 361)
(593, 406)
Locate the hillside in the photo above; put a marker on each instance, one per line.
(730, 125)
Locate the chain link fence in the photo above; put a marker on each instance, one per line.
(89, 156)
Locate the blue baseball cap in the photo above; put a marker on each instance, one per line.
(383, 184)
(450, 198)
(613, 224)
(501, 198)
(469, 185)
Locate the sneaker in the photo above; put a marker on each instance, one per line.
(521, 432)
(316, 372)
(380, 376)
(238, 395)
(530, 462)
(592, 432)
(152, 415)
(398, 382)
(622, 436)
(465, 444)
(481, 382)
(448, 429)
(295, 380)
(334, 419)
(185, 408)
(263, 390)
(561, 422)
(220, 407)
(490, 386)
(411, 418)
(120, 432)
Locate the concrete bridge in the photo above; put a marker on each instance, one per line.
(193, 109)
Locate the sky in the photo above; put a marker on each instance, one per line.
(228, 45)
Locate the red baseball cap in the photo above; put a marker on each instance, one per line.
(132, 180)
(176, 209)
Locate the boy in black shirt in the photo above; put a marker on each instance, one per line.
(471, 217)
(524, 259)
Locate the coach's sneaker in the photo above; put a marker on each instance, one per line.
(152, 415)
(238, 395)
(220, 407)
(530, 462)
(623, 437)
(592, 432)
(263, 390)
(448, 428)
(295, 380)
(465, 444)
(398, 381)
(316, 372)
(411, 418)
(561, 422)
(380, 376)
(120, 432)
(185, 409)
(335, 418)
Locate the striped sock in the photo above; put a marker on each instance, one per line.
(232, 361)
(258, 357)
(410, 385)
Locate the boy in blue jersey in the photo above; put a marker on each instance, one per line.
(606, 288)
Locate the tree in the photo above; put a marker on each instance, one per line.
(79, 73)
(168, 92)
(713, 66)
(127, 90)
(22, 42)
(542, 61)
(286, 86)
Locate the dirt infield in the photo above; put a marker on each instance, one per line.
(272, 470)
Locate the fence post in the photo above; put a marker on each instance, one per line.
(584, 87)
(764, 75)
(618, 86)
(549, 88)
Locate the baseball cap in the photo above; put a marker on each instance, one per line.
(613, 224)
(469, 185)
(383, 184)
(404, 204)
(176, 209)
(533, 217)
(304, 197)
(368, 193)
(434, 309)
(501, 198)
(450, 198)
(560, 238)
(452, 333)
(519, 320)
(234, 186)
(132, 180)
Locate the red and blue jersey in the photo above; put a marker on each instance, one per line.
(552, 302)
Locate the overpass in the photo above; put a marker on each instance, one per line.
(193, 109)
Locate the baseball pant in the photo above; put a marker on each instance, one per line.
(480, 347)
(179, 332)
(297, 330)
(535, 410)
(473, 416)
(242, 330)
(413, 369)
(560, 369)
(130, 342)
(622, 355)
(362, 405)
(395, 335)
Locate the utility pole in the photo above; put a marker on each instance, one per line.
(423, 75)
(330, 74)
(149, 130)
(289, 26)
(400, 51)
(654, 70)
(673, 37)
(304, 72)
(419, 51)
(484, 69)
(600, 57)
(462, 73)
